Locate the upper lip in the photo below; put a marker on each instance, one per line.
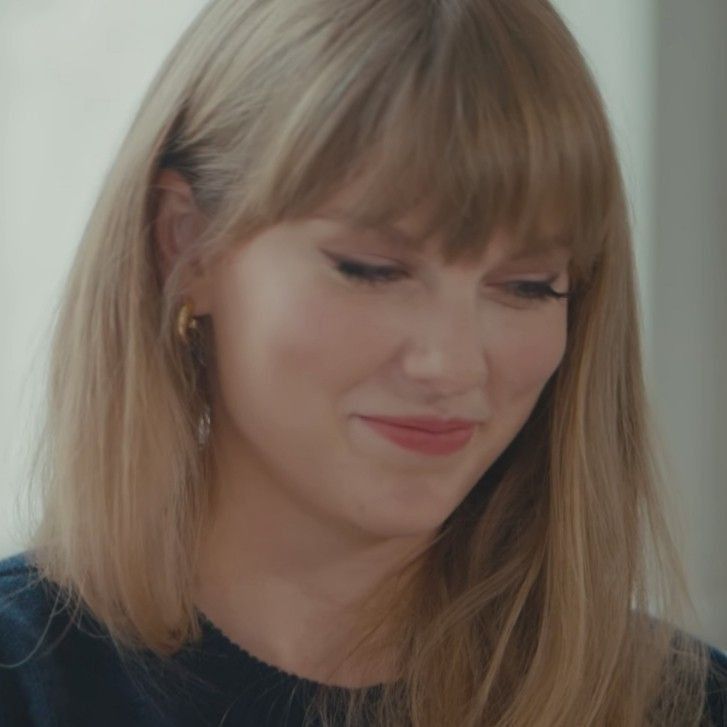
(428, 424)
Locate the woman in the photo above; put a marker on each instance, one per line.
(346, 413)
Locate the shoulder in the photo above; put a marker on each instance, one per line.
(717, 686)
(25, 603)
(715, 682)
(14, 567)
(37, 622)
(56, 666)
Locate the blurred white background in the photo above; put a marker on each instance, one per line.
(72, 73)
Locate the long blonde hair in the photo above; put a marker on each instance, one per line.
(549, 596)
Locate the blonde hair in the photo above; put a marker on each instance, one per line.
(532, 605)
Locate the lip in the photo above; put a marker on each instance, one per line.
(427, 424)
(420, 440)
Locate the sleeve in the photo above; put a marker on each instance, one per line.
(13, 708)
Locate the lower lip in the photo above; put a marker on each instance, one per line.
(421, 441)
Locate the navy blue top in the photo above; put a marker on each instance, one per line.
(76, 678)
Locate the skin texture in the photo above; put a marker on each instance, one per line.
(313, 507)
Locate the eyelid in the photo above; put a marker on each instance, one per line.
(385, 261)
(391, 263)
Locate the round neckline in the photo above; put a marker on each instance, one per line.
(221, 638)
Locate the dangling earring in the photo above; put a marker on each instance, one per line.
(185, 322)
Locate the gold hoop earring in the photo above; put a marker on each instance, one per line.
(185, 323)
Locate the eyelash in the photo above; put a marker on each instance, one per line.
(375, 275)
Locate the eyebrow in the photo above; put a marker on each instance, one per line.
(551, 248)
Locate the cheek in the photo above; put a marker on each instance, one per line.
(329, 337)
(291, 341)
(527, 358)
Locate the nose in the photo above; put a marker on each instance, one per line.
(446, 351)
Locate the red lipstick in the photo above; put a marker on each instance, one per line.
(425, 435)
(427, 424)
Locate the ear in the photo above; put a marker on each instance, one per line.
(178, 222)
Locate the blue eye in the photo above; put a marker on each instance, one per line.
(377, 274)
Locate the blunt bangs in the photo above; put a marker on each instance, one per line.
(477, 130)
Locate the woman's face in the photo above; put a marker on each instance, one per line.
(304, 351)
